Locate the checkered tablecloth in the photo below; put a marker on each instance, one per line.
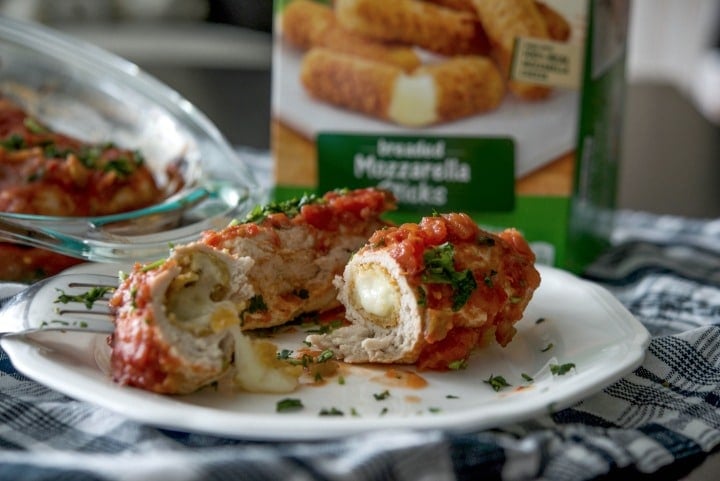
(662, 419)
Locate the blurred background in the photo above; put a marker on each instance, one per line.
(217, 53)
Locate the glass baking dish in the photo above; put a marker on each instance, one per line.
(86, 92)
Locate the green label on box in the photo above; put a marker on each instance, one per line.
(424, 173)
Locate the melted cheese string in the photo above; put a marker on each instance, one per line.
(256, 368)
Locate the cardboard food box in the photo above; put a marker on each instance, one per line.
(508, 110)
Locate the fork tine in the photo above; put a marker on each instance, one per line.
(37, 306)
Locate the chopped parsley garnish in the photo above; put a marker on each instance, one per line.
(540, 320)
(384, 411)
(288, 404)
(152, 265)
(458, 365)
(382, 395)
(34, 126)
(88, 298)
(324, 356)
(422, 296)
(257, 304)
(527, 377)
(326, 328)
(561, 369)
(452, 396)
(304, 361)
(440, 269)
(90, 155)
(547, 348)
(497, 382)
(331, 412)
(290, 207)
(434, 410)
(14, 142)
(121, 166)
(51, 150)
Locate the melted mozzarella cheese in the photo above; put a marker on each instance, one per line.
(413, 101)
(256, 371)
(376, 292)
(191, 300)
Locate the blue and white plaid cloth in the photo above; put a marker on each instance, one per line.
(663, 418)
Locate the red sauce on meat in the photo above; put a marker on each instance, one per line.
(502, 266)
(335, 211)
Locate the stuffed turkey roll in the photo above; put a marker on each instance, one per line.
(430, 293)
(179, 321)
(298, 247)
(177, 327)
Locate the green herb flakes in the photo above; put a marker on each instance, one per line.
(290, 207)
(88, 298)
(324, 356)
(497, 382)
(561, 369)
(257, 304)
(288, 404)
(153, 265)
(331, 412)
(440, 269)
(382, 396)
(325, 328)
(458, 365)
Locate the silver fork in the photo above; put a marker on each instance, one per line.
(66, 302)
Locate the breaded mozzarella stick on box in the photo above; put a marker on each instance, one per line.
(437, 29)
(308, 24)
(455, 88)
(557, 25)
(504, 21)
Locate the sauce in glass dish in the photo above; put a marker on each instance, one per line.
(43, 172)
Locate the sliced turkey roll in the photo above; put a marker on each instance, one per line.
(430, 293)
(174, 319)
(298, 248)
(179, 322)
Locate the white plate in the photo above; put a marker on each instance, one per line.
(584, 323)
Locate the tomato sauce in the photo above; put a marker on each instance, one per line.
(496, 271)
